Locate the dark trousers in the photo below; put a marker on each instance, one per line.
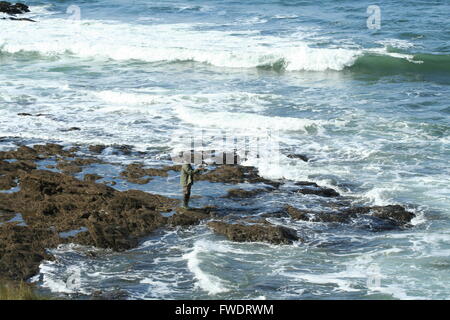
(186, 194)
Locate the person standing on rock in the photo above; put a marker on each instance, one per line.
(186, 181)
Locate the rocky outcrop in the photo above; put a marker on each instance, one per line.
(298, 156)
(52, 203)
(187, 217)
(313, 188)
(137, 173)
(76, 165)
(38, 152)
(22, 250)
(13, 9)
(241, 193)
(261, 232)
(395, 215)
(97, 149)
(235, 174)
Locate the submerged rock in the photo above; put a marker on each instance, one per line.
(396, 215)
(92, 177)
(22, 249)
(241, 193)
(312, 216)
(235, 174)
(97, 149)
(254, 232)
(191, 216)
(298, 156)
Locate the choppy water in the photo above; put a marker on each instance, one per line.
(370, 107)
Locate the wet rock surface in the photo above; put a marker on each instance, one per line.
(260, 232)
(137, 173)
(13, 9)
(235, 174)
(95, 214)
(187, 217)
(53, 203)
(395, 215)
(313, 188)
(242, 194)
(298, 156)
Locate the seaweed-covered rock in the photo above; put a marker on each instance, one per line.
(92, 177)
(22, 153)
(137, 173)
(308, 215)
(254, 232)
(22, 249)
(319, 191)
(241, 193)
(97, 149)
(191, 216)
(298, 156)
(394, 213)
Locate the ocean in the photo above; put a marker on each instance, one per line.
(361, 90)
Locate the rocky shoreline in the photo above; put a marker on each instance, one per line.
(44, 205)
(14, 9)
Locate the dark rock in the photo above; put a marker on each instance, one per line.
(320, 191)
(241, 193)
(75, 166)
(52, 149)
(254, 232)
(22, 249)
(70, 129)
(188, 217)
(136, 173)
(214, 157)
(97, 149)
(306, 183)
(311, 216)
(113, 219)
(68, 168)
(396, 215)
(298, 156)
(235, 174)
(92, 177)
(22, 153)
(19, 19)
(7, 182)
(13, 9)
